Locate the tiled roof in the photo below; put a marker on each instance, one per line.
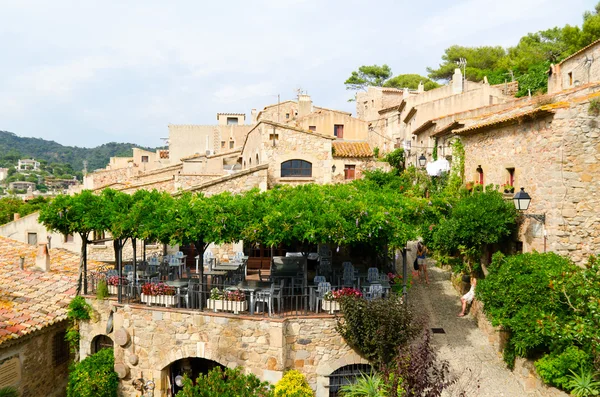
(424, 127)
(507, 120)
(395, 107)
(31, 299)
(580, 51)
(351, 149)
(447, 128)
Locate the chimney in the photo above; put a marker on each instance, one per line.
(304, 105)
(421, 87)
(253, 116)
(42, 258)
(457, 82)
(16, 216)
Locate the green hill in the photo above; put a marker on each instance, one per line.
(13, 147)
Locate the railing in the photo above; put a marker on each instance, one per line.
(190, 294)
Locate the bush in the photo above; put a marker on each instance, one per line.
(227, 383)
(293, 384)
(528, 296)
(378, 327)
(101, 290)
(554, 368)
(94, 376)
(367, 385)
(9, 391)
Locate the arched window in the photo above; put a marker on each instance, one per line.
(296, 168)
(101, 342)
(346, 375)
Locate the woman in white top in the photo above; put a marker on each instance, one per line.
(468, 297)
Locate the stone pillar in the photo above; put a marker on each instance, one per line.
(253, 116)
(42, 258)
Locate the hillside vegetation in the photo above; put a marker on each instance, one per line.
(13, 147)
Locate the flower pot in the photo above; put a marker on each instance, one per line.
(167, 300)
(227, 306)
(330, 306)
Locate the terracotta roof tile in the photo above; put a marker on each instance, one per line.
(31, 299)
(351, 149)
(506, 120)
(580, 51)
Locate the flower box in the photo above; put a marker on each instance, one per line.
(228, 306)
(330, 306)
(167, 300)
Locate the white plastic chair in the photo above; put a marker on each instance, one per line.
(375, 292)
(322, 289)
(373, 274)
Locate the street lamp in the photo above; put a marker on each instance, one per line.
(522, 200)
(422, 160)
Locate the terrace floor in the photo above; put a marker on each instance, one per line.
(479, 367)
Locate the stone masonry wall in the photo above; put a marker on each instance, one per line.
(556, 159)
(39, 374)
(265, 347)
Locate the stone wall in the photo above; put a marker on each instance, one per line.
(262, 346)
(555, 158)
(102, 178)
(578, 69)
(39, 374)
(186, 140)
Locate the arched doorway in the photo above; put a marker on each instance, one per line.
(346, 375)
(101, 342)
(192, 367)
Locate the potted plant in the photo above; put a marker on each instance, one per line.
(230, 301)
(397, 282)
(469, 185)
(331, 299)
(508, 188)
(159, 293)
(113, 284)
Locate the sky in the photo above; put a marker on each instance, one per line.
(84, 72)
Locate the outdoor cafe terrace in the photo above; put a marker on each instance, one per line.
(290, 288)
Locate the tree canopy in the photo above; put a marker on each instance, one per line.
(382, 76)
(527, 62)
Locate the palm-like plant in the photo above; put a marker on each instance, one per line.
(9, 391)
(367, 385)
(584, 384)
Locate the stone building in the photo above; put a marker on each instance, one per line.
(582, 67)
(27, 165)
(396, 116)
(34, 356)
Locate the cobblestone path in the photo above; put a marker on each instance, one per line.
(480, 368)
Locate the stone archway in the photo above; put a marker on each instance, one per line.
(100, 342)
(326, 368)
(190, 366)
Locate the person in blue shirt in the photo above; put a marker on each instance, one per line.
(421, 256)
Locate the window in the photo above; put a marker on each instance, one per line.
(67, 238)
(144, 159)
(273, 137)
(511, 176)
(312, 128)
(338, 130)
(232, 121)
(346, 375)
(32, 238)
(287, 115)
(570, 78)
(222, 144)
(231, 143)
(349, 171)
(60, 348)
(98, 235)
(101, 342)
(296, 168)
(257, 161)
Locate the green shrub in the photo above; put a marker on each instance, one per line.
(554, 368)
(225, 383)
(293, 384)
(377, 328)
(529, 305)
(79, 309)
(367, 385)
(9, 391)
(584, 383)
(94, 376)
(101, 290)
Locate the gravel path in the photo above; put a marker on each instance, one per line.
(480, 368)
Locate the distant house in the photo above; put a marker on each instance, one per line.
(578, 69)
(34, 356)
(28, 165)
(21, 185)
(3, 173)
